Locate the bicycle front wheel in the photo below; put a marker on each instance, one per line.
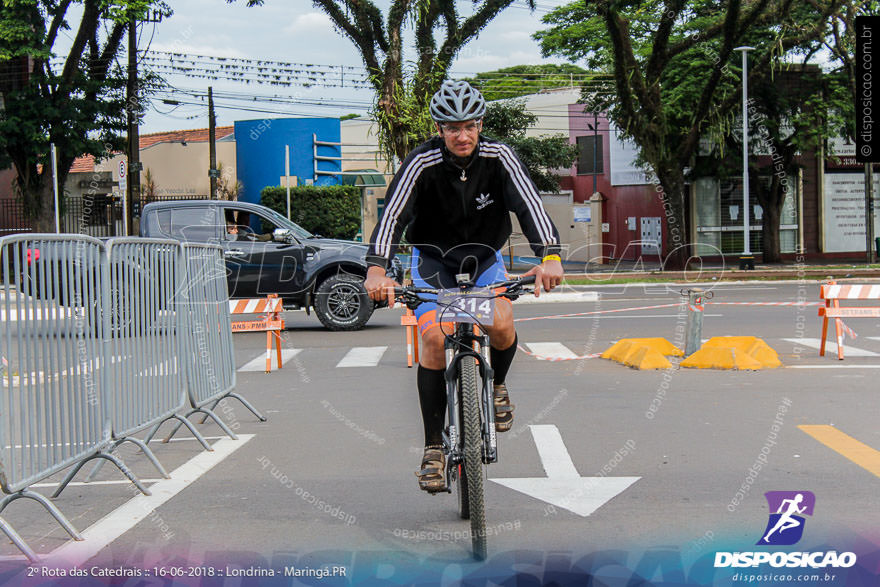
(472, 440)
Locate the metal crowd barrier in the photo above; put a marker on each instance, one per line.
(146, 384)
(53, 369)
(210, 364)
(99, 342)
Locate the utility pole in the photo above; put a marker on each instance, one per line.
(134, 148)
(212, 144)
(133, 111)
(869, 210)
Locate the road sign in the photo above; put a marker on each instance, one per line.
(123, 176)
(563, 486)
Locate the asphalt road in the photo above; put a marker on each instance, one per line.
(681, 459)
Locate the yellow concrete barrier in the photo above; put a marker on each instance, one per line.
(661, 345)
(643, 357)
(720, 358)
(642, 353)
(734, 352)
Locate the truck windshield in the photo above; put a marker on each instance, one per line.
(297, 230)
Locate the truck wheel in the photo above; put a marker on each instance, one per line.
(342, 303)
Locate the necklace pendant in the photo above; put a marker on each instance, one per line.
(463, 176)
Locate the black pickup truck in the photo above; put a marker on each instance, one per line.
(266, 253)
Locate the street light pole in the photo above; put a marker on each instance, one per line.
(745, 117)
(595, 148)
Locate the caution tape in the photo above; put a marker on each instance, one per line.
(847, 331)
(553, 359)
(595, 312)
(697, 309)
(766, 303)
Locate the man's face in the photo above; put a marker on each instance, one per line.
(460, 137)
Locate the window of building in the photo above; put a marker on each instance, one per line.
(720, 220)
(589, 155)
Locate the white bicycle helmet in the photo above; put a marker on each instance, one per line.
(457, 102)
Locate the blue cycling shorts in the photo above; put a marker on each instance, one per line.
(428, 271)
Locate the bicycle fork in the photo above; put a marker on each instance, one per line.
(487, 403)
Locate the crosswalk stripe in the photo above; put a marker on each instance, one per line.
(551, 350)
(363, 356)
(873, 337)
(831, 347)
(259, 362)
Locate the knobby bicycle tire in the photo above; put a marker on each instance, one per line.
(461, 475)
(472, 440)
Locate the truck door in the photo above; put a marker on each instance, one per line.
(259, 264)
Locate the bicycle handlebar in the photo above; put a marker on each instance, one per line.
(409, 294)
(509, 284)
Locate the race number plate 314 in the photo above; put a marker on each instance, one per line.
(475, 305)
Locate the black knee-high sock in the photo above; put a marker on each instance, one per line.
(432, 398)
(501, 360)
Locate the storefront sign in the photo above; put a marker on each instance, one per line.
(844, 212)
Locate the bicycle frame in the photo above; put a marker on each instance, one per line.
(467, 340)
(457, 347)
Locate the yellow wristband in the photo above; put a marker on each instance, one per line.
(551, 258)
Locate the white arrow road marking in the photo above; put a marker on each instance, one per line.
(563, 486)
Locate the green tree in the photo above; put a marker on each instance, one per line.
(508, 121)
(403, 93)
(792, 110)
(333, 211)
(75, 101)
(840, 42)
(674, 75)
(521, 80)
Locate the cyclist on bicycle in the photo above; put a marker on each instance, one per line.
(453, 195)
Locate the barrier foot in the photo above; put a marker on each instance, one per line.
(144, 448)
(185, 422)
(212, 408)
(102, 455)
(221, 423)
(248, 405)
(18, 541)
(50, 507)
(155, 429)
(239, 398)
(149, 454)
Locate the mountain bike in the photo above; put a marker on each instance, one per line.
(469, 440)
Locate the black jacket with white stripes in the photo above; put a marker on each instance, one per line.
(454, 212)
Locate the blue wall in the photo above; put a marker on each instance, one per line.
(259, 148)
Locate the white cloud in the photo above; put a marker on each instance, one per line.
(310, 23)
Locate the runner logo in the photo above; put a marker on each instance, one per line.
(786, 523)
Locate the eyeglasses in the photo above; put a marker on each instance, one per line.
(470, 128)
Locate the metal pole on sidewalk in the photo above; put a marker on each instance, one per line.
(869, 209)
(55, 188)
(745, 132)
(694, 335)
(287, 177)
